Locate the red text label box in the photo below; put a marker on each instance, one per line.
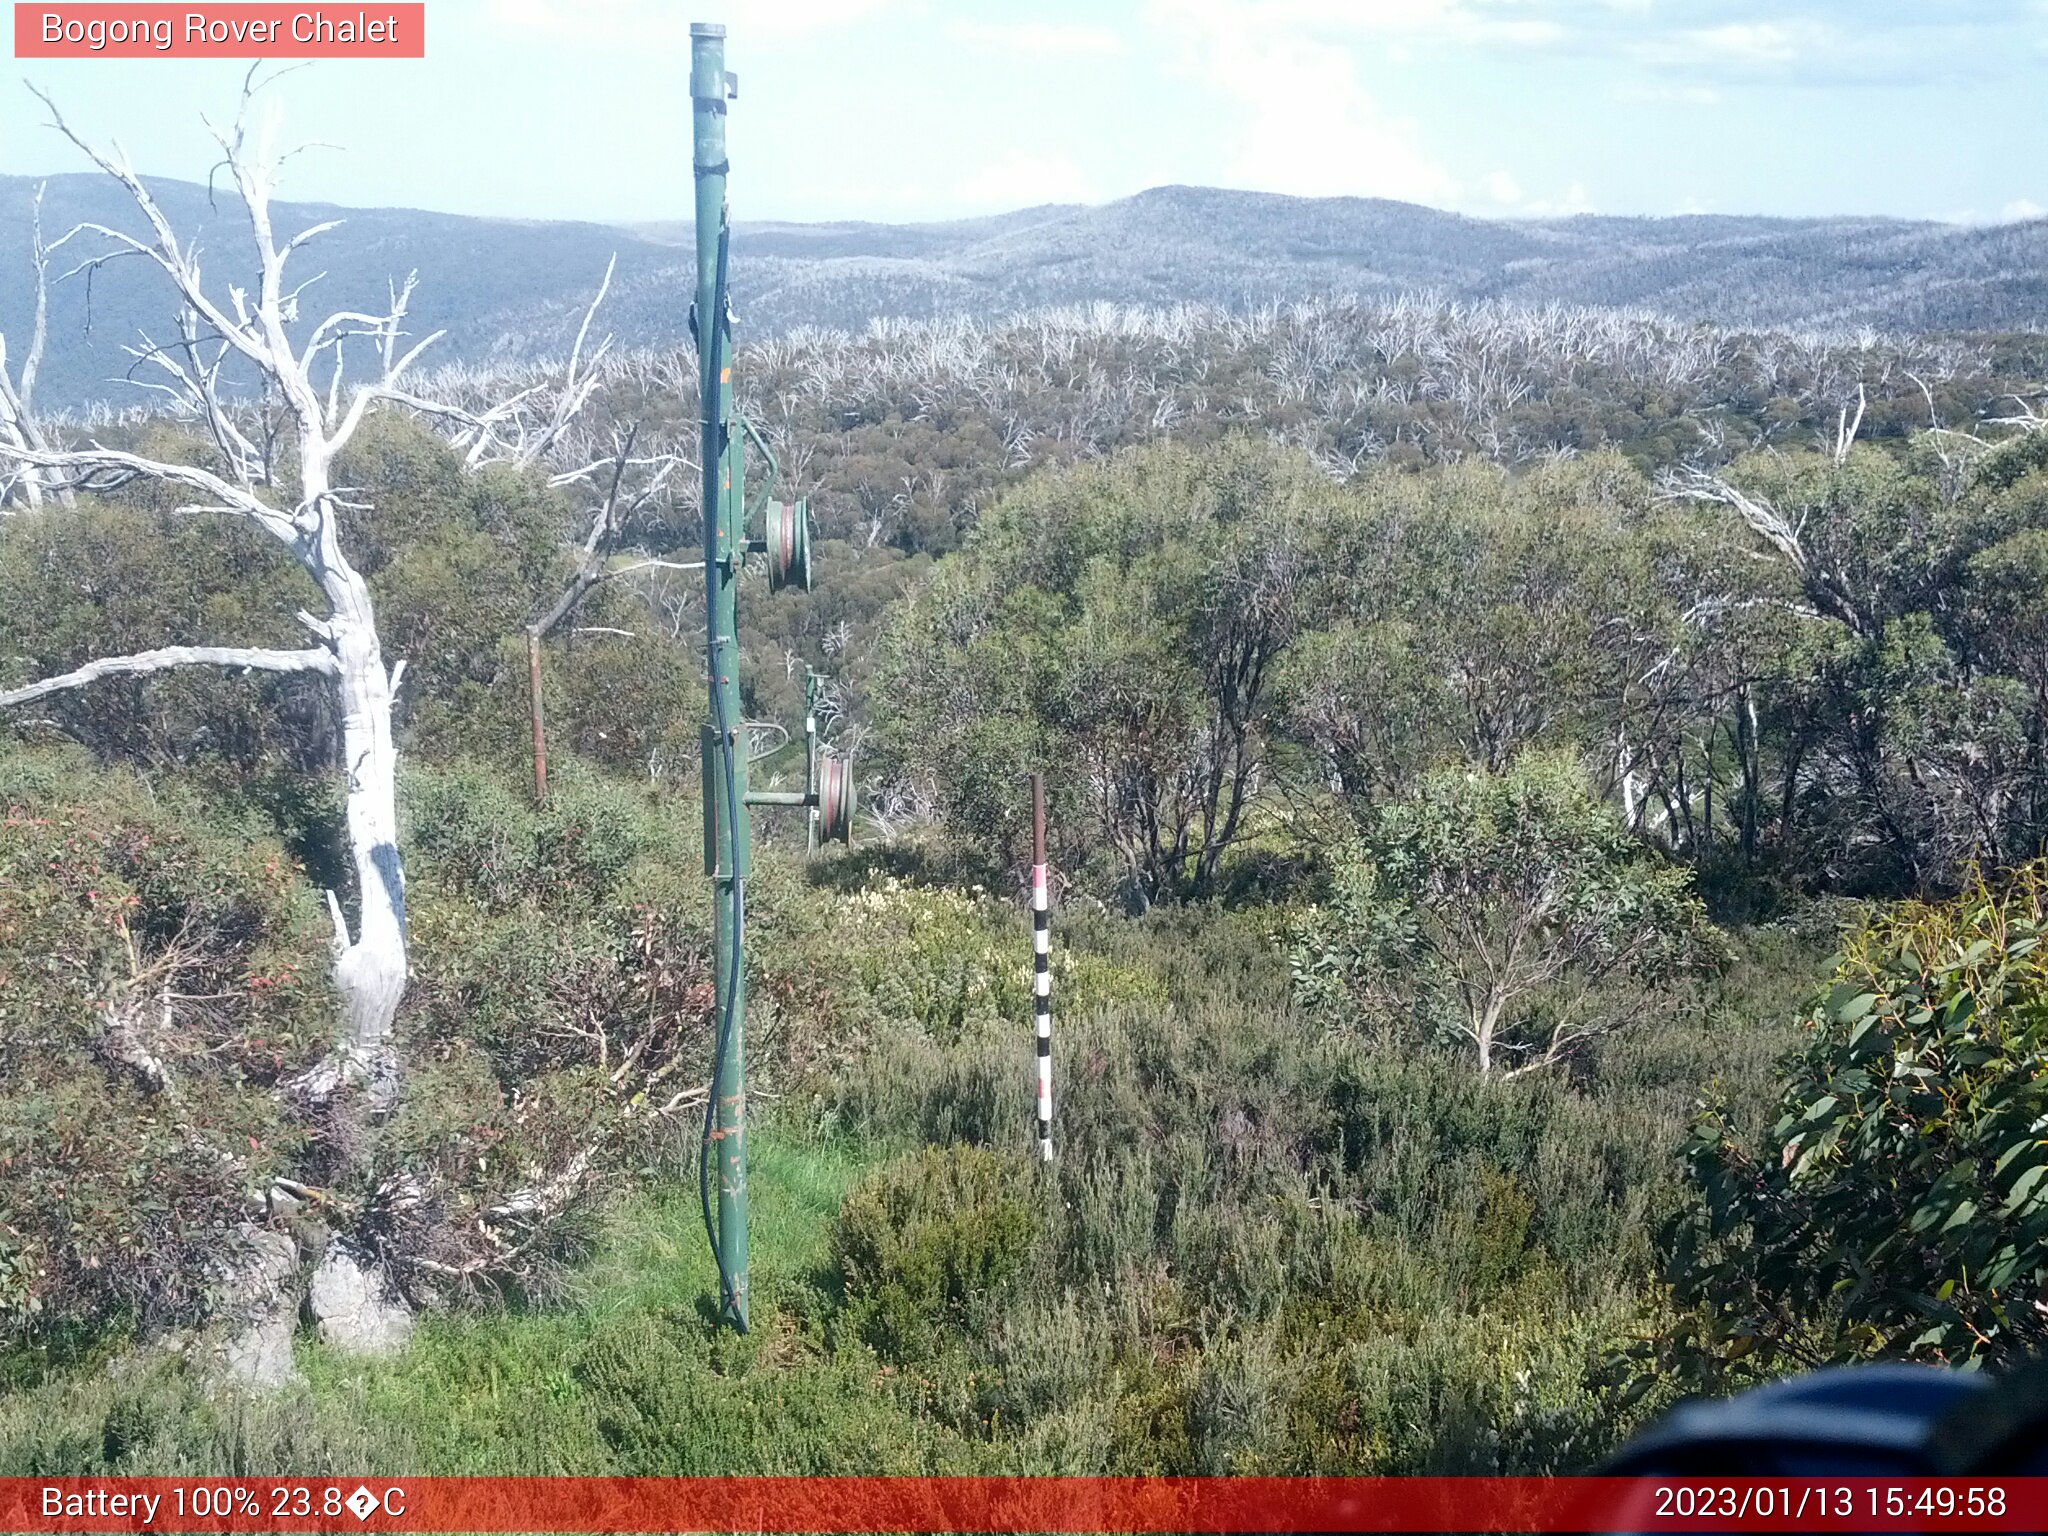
(240, 31)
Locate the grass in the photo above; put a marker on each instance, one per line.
(591, 1384)
(628, 1374)
(1266, 1247)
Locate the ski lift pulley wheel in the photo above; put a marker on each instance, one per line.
(788, 537)
(835, 799)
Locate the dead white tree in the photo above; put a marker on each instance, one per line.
(631, 483)
(1828, 588)
(283, 483)
(2026, 417)
(1692, 483)
(1846, 429)
(532, 423)
(22, 484)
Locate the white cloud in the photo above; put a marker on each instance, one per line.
(1888, 41)
(892, 200)
(1508, 198)
(1741, 46)
(1038, 39)
(1509, 22)
(2020, 209)
(1300, 122)
(1576, 199)
(1757, 42)
(1501, 187)
(1024, 180)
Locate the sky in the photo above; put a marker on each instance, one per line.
(900, 110)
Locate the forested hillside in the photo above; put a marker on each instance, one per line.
(513, 289)
(1546, 805)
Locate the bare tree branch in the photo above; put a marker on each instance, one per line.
(242, 657)
(1693, 484)
(1846, 430)
(40, 327)
(18, 426)
(108, 469)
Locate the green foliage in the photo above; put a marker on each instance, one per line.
(141, 1416)
(1513, 911)
(458, 565)
(935, 960)
(106, 579)
(1897, 1207)
(1124, 619)
(1476, 614)
(627, 1375)
(1262, 1248)
(930, 1242)
(472, 833)
(164, 974)
(561, 999)
(159, 977)
(1268, 1244)
(1279, 1249)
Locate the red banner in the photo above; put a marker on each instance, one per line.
(1019, 1504)
(380, 30)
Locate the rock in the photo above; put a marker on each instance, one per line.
(262, 1311)
(355, 1307)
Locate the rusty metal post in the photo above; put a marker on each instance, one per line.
(540, 733)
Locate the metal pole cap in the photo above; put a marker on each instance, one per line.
(707, 29)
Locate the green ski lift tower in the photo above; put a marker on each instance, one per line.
(785, 540)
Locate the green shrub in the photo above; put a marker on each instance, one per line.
(152, 1416)
(468, 830)
(667, 1401)
(1899, 1206)
(560, 1007)
(928, 1241)
(1512, 912)
(158, 979)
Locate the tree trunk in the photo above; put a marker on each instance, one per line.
(1752, 770)
(264, 1277)
(1795, 753)
(371, 971)
(1682, 799)
(1707, 794)
(1483, 1030)
(1624, 776)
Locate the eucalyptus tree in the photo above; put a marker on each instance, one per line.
(1511, 912)
(1472, 615)
(627, 485)
(1891, 689)
(1127, 623)
(271, 400)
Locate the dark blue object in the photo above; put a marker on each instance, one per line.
(1868, 1420)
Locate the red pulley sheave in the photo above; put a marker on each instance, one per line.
(787, 533)
(835, 799)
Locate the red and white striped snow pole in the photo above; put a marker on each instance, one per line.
(1041, 964)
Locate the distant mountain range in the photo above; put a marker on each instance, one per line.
(514, 289)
